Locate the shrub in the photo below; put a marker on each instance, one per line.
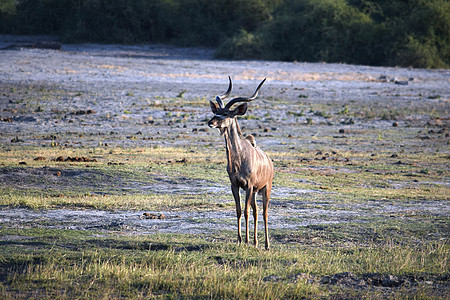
(243, 45)
(406, 33)
(423, 38)
(385, 32)
(186, 22)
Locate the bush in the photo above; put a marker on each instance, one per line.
(423, 35)
(383, 32)
(242, 46)
(185, 22)
(313, 30)
(406, 33)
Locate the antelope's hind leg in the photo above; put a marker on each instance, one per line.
(266, 198)
(237, 200)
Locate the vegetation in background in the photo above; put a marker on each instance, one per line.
(187, 22)
(406, 33)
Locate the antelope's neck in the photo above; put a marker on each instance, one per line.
(233, 144)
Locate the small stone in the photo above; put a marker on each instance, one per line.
(153, 216)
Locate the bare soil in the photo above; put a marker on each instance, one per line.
(154, 95)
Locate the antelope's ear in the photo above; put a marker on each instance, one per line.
(240, 110)
(214, 107)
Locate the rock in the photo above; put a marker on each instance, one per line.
(383, 78)
(84, 112)
(153, 216)
(39, 158)
(24, 119)
(16, 140)
(75, 159)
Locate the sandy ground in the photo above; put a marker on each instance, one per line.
(93, 94)
(126, 86)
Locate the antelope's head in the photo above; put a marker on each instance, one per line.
(223, 115)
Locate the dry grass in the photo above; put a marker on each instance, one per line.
(173, 266)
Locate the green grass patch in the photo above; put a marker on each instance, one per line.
(67, 264)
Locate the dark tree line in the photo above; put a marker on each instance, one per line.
(384, 32)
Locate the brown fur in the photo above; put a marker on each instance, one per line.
(248, 166)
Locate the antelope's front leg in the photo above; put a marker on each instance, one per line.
(237, 199)
(248, 200)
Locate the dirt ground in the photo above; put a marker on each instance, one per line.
(154, 95)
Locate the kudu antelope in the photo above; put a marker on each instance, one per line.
(248, 166)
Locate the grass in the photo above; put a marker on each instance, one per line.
(354, 176)
(364, 187)
(85, 264)
(38, 200)
(68, 264)
(361, 176)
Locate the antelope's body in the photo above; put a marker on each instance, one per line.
(248, 166)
